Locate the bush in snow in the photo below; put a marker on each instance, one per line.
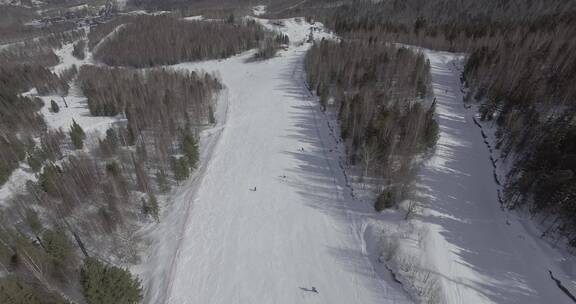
(421, 282)
(384, 201)
(151, 207)
(390, 246)
(54, 106)
(79, 49)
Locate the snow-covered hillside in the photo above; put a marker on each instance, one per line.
(478, 252)
(271, 217)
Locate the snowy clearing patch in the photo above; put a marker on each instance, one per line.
(259, 10)
(15, 184)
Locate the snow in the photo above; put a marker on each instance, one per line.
(296, 29)
(219, 242)
(259, 10)
(194, 18)
(78, 7)
(73, 107)
(67, 60)
(143, 12)
(201, 18)
(479, 253)
(15, 184)
(121, 4)
(78, 111)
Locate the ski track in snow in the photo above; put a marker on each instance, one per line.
(481, 254)
(263, 246)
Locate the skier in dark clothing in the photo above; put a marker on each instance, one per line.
(313, 289)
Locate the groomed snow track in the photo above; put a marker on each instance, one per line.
(299, 229)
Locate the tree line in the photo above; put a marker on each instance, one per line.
(20, 120)
(381, 95)
(149, 41)
(158, 104)
(525, 87)
(39, 51)
(270, 46)
(86, 205)
(62, 235)
(520, 70)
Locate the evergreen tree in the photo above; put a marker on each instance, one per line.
(105, 284)
(58, 248)
(151, 207)
(79, 49)
(15, 292)
(211, 117)
(162, 181)
(230, 19)
(48, 179)
(113, 169)
(112, 138)
(384, 201)
(180, 168)
(190, 149)
(54, 106)
(33, 221)
(432, 130)
(35, 159)
(77, 135)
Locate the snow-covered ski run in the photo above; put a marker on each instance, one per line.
(481, 253)
(297, 232)
(269, 218)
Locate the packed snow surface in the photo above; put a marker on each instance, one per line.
(271, 217)
(194, 18)
(481, 253)
(259, 10)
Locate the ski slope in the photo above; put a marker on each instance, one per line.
(298, 230)
(222, 242)
(481, 253)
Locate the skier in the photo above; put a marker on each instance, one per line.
(313, 289)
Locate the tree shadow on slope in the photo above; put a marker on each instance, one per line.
(457, 185)
(460, 169)
(319, 178)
